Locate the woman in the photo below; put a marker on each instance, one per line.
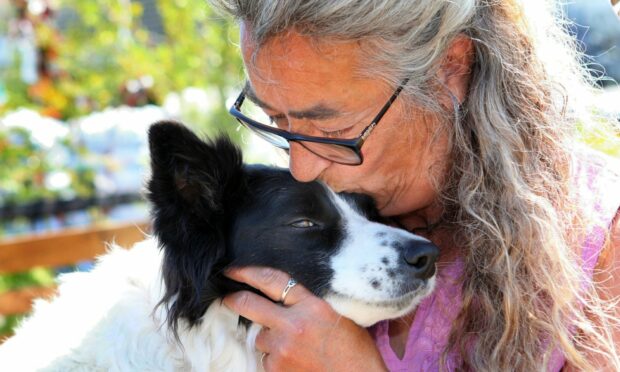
(475, 154)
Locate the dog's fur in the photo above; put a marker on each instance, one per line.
(154, 308)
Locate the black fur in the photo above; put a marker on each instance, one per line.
(193, 185)
(211, 212)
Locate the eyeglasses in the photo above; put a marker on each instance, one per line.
(343, 151)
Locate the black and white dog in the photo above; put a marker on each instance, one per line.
(154, 307)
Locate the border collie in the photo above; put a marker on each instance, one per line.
(155, 307)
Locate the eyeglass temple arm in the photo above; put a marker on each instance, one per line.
(384, 109)
(239, 100)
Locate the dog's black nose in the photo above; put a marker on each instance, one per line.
(421, 255)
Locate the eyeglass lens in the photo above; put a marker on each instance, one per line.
(333, 152)
(336, 153)
(272, 138)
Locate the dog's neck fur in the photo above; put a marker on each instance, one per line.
(121, 330)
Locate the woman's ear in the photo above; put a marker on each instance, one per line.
(455, 69)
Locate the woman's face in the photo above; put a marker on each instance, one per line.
(313, 90)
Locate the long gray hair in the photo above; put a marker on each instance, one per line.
(508, 192)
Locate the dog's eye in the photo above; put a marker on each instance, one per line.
(303, 224)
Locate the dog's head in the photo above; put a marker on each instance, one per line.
(210, 212)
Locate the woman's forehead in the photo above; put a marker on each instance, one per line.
(298, 54)
(291, 71)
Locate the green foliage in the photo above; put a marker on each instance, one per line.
(103, 45)
(604, 141)
(26, 164)
(601, 131)
(38, 276)
(21, 167)
(107, 45)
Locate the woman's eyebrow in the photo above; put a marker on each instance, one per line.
(249, 92)
(316, 112)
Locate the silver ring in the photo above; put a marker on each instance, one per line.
(291, 283)
(262, 358)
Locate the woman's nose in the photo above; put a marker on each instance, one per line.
(304, 165)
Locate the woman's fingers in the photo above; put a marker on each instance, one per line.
(263, 341)
(266, 360)
(255, 308)
(271, 282)
(306, 336)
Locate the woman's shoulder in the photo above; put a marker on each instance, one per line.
(596, 188)
(596, 184)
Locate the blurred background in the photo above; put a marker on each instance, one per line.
(80, 81)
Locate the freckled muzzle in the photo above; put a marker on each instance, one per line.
(382, 277)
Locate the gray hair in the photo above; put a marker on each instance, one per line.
(508, 192)
(406, 39)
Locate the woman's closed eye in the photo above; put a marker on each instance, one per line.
(336, 133)
(281, 122)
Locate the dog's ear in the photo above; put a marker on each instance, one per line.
(191, 172)
(193, 186)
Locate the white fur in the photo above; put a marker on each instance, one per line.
(104, 320)
(359, 262)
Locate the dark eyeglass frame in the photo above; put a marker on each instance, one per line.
(353, 144)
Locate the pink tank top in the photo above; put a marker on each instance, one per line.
(598, 191)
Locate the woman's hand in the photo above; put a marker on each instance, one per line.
(304, 335)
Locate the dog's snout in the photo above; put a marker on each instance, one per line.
(420, 256)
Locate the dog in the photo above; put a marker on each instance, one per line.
(156, 307)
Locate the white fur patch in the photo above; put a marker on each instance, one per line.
(104, 321)
(368, 280)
